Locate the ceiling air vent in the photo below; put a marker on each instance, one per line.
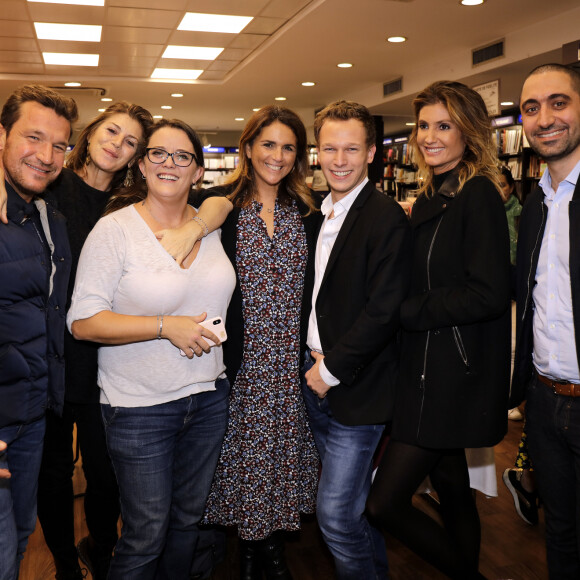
(392, 87)
(487, 53)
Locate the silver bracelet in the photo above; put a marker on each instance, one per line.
(202, 224)
(159, 326)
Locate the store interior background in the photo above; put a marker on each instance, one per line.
(288, 42)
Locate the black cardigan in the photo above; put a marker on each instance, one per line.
(532, 224)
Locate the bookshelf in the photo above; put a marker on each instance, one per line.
(400, 170)
(218, 163)
(514, 151)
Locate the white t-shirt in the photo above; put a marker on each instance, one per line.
(123, 268)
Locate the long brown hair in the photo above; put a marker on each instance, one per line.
(293, 186)
(79, 155)
(137, 191)
(467, 110)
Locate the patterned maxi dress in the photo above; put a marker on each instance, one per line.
(268, 469)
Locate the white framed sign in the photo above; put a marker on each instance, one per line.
(490, 95)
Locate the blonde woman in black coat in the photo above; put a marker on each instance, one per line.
(455, 365)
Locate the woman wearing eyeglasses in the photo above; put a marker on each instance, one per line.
(164, 394)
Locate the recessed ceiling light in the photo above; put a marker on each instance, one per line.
(106, 99)
(72, 84)
(239, 119)
(177, 95)
(279, 98)
(76, 2)
(79, 32)
(101, 110)
(472, 2)
(70, 59)
(344, 65)
(192, 52)
(166, 106)
(196, 22)
(410, 124)
(256, 109)
(182, 74)
(397, 39)
(506, 103)
(308, 84)
(158, 116)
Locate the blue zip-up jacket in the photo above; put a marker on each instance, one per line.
(32, 310)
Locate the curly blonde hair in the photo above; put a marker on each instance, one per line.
(467, 110)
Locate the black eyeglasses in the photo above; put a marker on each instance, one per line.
(180, 158)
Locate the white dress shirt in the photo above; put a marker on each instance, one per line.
(554, 339)
(326, 238)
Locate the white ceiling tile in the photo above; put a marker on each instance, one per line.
(213, 75)
(234, 7)
(143, 18)
(17, 28)
(15, 56)
(284, 8)
(235, 54)
(135, 35)
(66, 13)
(262, 25)
(189, 38)
(224, 65)
(251, 41)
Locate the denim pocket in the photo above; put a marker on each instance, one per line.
(108, 413)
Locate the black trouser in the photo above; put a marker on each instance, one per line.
(55, 490)
(453, 549)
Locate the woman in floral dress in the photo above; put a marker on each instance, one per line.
(268, 469)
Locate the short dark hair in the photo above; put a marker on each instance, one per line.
(344, 111)
(63, 106)
(505, 171)
(572, 73)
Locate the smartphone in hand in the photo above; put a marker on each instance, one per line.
(215, 325)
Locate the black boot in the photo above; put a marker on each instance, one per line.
(69, 571)
(95, 557)
(273, 559)
(250, 565)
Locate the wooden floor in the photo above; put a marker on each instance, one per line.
(510, 548)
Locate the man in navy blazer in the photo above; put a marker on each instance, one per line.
(362, 267)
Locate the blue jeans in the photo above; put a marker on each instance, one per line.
(164, 457)
(18, 494)
(553, 427)
(346, 452)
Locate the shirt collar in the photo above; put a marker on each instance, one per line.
(546, 181)
(18, 208)
(344, 204)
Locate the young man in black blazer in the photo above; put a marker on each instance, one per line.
(362, 271)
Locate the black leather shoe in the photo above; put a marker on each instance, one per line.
(250, 561)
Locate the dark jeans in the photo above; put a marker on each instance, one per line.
(55, 492)
(164, 457)
(553, 427)
(18, 494)
(346, 452)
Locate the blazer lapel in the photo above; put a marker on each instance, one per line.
(347, 226)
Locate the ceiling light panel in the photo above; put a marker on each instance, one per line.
(70, 59)
(192, 52)
(176, 74)
(195, 21)
(78, 32)
(75, 2)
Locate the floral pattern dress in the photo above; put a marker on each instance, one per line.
(268, 469)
